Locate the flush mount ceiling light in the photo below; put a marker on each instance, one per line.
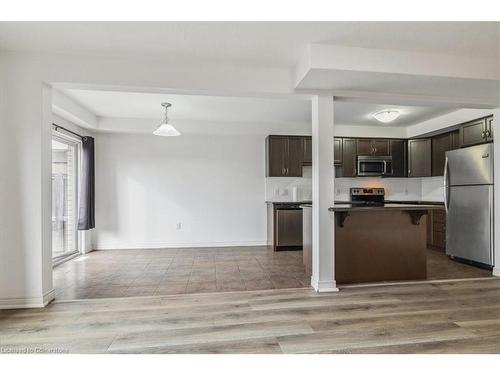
(386, 115)
(165, 129)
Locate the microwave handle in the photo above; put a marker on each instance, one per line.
(385, 168)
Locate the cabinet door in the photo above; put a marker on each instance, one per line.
(337, 151)
(348, 157)
(419, 157)
(473, 133)
(293, 161)
(380, 147)
(307, 150)
(489, 129)
(455, 139)
(288, 227)
(364, 147)
(398, 153)
(276, 149)
(440, 144)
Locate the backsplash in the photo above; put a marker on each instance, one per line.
(395, 188)
(279, 189)
(432, 189)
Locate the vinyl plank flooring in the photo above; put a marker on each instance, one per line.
(450, 317)
(151, 339)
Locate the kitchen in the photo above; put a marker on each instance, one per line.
(393, 219)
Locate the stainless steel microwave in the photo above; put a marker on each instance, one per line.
(374, 166)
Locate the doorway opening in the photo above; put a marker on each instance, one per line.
(65, 165)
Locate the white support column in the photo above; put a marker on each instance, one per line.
(323, 259)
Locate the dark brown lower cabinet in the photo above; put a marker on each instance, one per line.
(436, 230)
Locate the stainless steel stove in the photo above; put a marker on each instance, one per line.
(367, 196)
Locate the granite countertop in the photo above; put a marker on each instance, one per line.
(289, 202)
(416, 202)
(347, 206)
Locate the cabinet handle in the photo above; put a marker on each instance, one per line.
(284, 170)
(487, 134)
(483, 135)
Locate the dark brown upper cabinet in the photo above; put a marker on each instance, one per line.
(293, 162)
(284, 156)
(489, 129)
(349, 157)
(379, 147)
(347, 167)
(440, 144)
(307, 151)
(419, 157)
(476, 132)
(398, 153)
(337, 151)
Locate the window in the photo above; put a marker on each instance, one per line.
(64, 197)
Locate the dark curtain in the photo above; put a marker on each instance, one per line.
(86, 209)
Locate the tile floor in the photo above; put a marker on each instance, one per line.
(149, 272)
(123, 273)
(440, 267)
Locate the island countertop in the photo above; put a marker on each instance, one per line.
(347, 206)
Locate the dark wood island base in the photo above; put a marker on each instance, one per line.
(386, 243)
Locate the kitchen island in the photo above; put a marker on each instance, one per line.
(380, 243)
(374, 243)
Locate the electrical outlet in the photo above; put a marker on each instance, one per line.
(179, 226)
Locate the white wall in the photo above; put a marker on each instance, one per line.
(25, 154)
(279, 189)
(212, 185)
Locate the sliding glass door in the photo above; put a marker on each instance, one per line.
(64, 197)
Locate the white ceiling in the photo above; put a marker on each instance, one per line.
(355, 113)
(192, 107)
(141, 112)
(253, 43)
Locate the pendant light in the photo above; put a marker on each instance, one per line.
(165, 129)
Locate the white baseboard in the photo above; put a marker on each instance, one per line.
(324, 286)
(27, 303)
(496, 271)
(170, 245)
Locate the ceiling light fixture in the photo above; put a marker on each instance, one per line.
(165, 129)
(386, 115)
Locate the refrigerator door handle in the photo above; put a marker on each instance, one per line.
(446, 185)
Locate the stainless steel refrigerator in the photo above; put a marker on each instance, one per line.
(468, 180)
